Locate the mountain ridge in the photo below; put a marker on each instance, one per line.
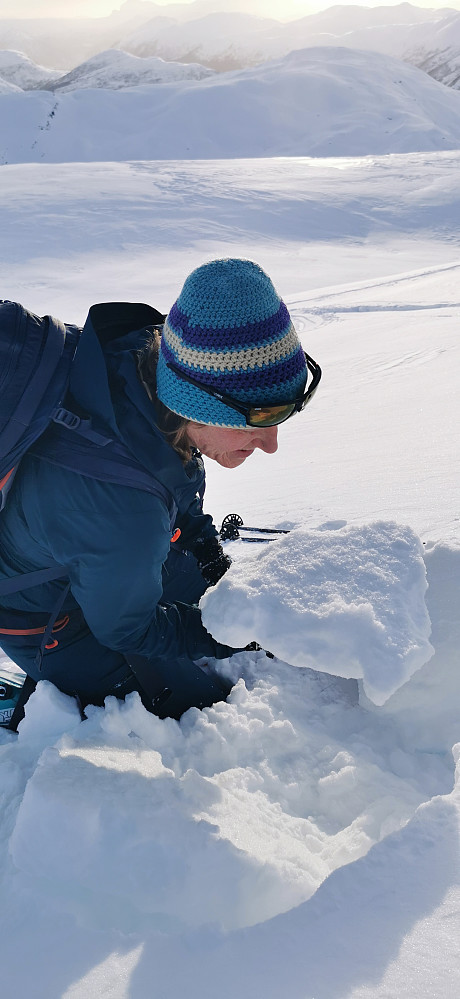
(118, 70)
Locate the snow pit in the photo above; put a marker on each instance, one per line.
(227, 819)
(348, 602)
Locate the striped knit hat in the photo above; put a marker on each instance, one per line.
(229, 330)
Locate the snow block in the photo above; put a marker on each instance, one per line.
(348, 602)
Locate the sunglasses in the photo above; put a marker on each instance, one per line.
(261, 416)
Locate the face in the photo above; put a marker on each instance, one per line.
(231, 447)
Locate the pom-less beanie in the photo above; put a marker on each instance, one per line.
(229, 330)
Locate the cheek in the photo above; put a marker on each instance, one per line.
(234, 440)
(244, 438)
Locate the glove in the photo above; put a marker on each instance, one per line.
(212, 560)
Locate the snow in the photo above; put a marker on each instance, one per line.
(8, 88)
(349, 602)
(300, 839)
(316, 102)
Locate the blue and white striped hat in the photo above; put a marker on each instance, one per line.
(230, 330)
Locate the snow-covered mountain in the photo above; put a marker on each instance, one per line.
(227, 39)
(428, 39)
(220, 40)
(438, 52)
(233, 39)
(235, 35)
(314, 102)
(116, 70)
(18, 70)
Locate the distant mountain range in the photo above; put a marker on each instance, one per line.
(313, 102)
(235, 37)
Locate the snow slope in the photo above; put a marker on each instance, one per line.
(299, 840)
(8, 88)
(313, 102)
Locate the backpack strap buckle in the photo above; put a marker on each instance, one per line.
(66, 419)
(70, 421)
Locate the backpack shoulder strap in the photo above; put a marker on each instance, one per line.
(26, 580)
(96, 456)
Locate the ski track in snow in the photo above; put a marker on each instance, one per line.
(313, 851)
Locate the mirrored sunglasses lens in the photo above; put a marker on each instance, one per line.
(270, 416)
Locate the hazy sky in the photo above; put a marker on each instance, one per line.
(98, 8)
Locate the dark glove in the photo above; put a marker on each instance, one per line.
(211, 558)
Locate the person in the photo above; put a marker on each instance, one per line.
(226, 368)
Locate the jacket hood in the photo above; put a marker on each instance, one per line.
(105, 383)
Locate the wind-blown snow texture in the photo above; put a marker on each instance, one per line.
(313, 852)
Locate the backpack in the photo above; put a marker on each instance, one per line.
(36, 356)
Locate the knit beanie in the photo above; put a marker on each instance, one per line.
(229, 330)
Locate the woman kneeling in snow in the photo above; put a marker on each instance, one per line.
(216, 379)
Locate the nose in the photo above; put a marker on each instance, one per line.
(267, 439)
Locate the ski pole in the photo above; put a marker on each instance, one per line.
(264, 530)
(232, 524)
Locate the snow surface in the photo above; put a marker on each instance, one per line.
(299, 840)
(320, 102)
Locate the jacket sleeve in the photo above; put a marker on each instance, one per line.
(114, 541)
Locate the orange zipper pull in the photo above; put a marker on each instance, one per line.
(176, 535)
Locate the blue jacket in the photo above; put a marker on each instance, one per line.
(114, 540)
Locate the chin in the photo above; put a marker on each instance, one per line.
(232, 460)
